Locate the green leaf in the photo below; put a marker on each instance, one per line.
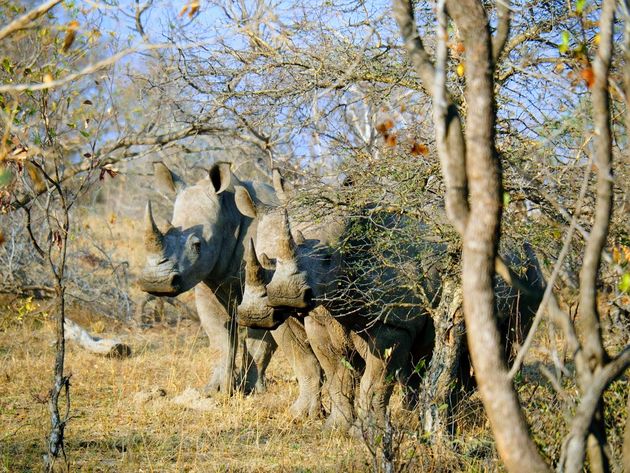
(6, 176)
(624, 284)
(563, 47)
(346, 364)
(7, 66)
(579, 6)
(506, 199)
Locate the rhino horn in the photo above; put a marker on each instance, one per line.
(278, 186)
(253, 269)
(287, 243)
(153, 238)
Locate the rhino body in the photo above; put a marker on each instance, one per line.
(391, 338)
(203, 249)
(392, 333)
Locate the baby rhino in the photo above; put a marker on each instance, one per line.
(306, 274)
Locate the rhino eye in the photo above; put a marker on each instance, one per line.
(195, 245)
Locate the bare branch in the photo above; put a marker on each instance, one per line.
(25, 20)
(573, 447)
(92, 68)
(453, 155)
(556, 271)
(503, 29)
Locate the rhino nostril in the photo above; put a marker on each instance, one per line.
(176, 280)
(308, 296)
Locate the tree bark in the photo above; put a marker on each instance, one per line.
(474, 167)
(589, 321)
(445, 362)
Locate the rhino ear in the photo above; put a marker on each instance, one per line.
(244, 202)
(166, 180)
(299, 237)
(220, 175)
(266, 262)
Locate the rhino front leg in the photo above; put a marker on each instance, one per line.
(216, 323)
(331, 345)
(292, 339)
(260, 346)
(386, 352)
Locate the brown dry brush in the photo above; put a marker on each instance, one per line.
(473, 195)
(39, 162)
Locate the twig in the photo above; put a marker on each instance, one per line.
(516, 366)
(23, 21)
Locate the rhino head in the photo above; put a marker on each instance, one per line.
(254, 309)
(289, 288)
(189, 249)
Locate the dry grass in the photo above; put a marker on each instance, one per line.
(112, 431)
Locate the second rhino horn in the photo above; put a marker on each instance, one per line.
(287, 243)
(253, 269)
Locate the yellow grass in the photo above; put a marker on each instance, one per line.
(111, 431)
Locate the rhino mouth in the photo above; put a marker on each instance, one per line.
(171, 286)
(270, 320)
(302, 301)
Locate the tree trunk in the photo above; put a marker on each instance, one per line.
(437, 393)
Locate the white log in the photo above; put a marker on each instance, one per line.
(102, 346)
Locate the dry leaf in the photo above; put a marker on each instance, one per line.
(35, 176)
(458, 48)
(588, 75)
(390, 140)
(191, 7)
(71, 32)
(558, 68)
(194, 8)
(419, 149)
(385, 126)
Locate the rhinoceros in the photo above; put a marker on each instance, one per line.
(392, 337)
(393, 332)
(202, 248)
(333, 344)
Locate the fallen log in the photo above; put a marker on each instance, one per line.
(103, 346)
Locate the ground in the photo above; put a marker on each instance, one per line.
(124, 417)
(114, 427)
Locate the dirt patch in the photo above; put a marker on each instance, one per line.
(192, 399)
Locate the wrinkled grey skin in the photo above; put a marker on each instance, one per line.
(332, 343)
(203, 249)
(307, 275)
